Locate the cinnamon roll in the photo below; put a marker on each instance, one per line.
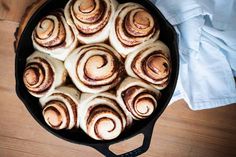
(101, 118)
(43, 73)
(138, 98)
(54, 36)
(90, 19)
(151, 63)
(133, 26)
(95, 68)
(60, 108)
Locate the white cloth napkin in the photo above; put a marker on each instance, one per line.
(207, 46)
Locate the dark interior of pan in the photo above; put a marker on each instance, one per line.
(25, 48)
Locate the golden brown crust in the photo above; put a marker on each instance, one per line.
(100, 110)
(139, 101)
(102, 117)
(135, 26)
(38, 76)
(156, 66)
(101, 60)
(57, 114)
(40, 35)
(152, 64)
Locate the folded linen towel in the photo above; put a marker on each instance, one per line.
(207, 46)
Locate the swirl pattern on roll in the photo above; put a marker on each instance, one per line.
(138, 98)
(151, 64)
(43, 73)
(54, 36)
(60, 108)
(132, 27)
(102, 117)
(95, 68)
(90, 19)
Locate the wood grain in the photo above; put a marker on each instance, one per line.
(178, 132)
(25, 18)
(12, 10)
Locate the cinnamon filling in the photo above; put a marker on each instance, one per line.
(38, 76)
(46, 26)
(141, 108)
(31, 76)
(104, 124)
(72, 104)
(99, 70)
(56, 115)
(89, 13)
(155, 66)
(46, 29)
(87, 6)
(139, 24)
(136, 27)
(141, 20)
(144, 105)
(53, 116)
(139, 101)
(127, 96)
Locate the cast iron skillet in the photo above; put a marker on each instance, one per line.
(145, 127)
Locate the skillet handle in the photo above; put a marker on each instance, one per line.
(147, 132)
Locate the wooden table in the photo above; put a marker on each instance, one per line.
(179, 131)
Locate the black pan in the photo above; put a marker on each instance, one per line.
(145, 127)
